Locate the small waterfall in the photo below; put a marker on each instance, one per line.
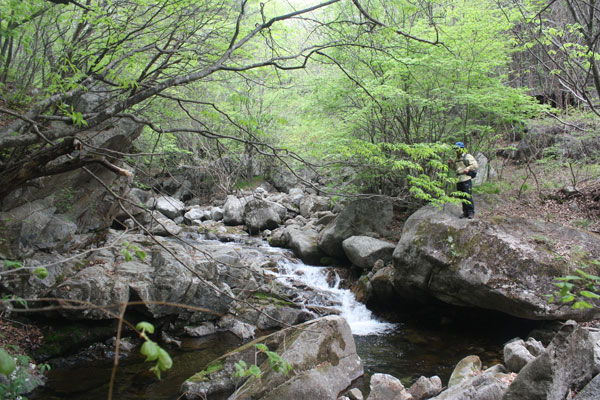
(361, 320)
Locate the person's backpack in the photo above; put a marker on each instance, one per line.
(472, 173)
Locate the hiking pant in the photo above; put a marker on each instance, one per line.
(466, 186)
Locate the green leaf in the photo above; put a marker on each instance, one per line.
(145, 327)
(13, 264)
(589, 295)
(7, 363)
(41, 272)
(255, 371)
(164, 359)
(580, 305)
(141, 255)
(261, 347)
(150, 349)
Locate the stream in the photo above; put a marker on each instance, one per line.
(405, 345)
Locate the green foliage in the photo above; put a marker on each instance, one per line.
(128, 248)
(276, 363)
(579, 289)
(18, 375)
(153, 351)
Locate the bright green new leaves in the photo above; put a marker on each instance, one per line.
(578, 289)
(153, 351)
(7, 363)
(275, 361)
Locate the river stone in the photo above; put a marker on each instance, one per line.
(502, 263)
(591, 391)
(489, 385)
(303, 241)
(363, 251)
(358, 218)
(233, 210)
(311, 204)
(163, 226)
(296, 194)
(425, 388)
(570, 361)
(355, 394)
(465, 368)
(263, 214)
(321, 352)
(169, 206)
(387, 387)
(516, 355)
(196, 213)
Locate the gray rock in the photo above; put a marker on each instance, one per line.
(162, 226)
(196, 214)
(387, 387)
(216, 213)
(60, 230)
(233, 210)
(363, 251)
(465, 368)
(296, 195)
(358, 218)
(489, 385)
(535, 347)
(570, 361)
(321, 352)
(355, 394)
(169, 206)
(22, 227)
(204, 329)
(591, 391)
(304, 243)
(516, 355)
(488, 263)
(262, 214)
(309, 205)
(425, 388)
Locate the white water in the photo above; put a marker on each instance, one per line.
(361, 320)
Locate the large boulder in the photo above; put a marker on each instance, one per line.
(387, 387)
(498, 262)
(262, 214)
(490, 384)
(321, 353)
(233, 210)
(568, 364)
(77, 197)
(369, 217)
(363, 251)
(303, 241)
(310, 205)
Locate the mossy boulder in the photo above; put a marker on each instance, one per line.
(321, 352)
(501, 262)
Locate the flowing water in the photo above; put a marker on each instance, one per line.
(407, 348)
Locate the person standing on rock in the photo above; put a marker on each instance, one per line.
(465, 166)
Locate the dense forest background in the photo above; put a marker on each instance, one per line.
(369, 92)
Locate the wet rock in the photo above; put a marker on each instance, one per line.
(205, 329)
(355, 394)
(516, 355)
(570, 361)
(425, 388)
(304, 243)
(322, 355)
(363, 251)
(387, 387)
